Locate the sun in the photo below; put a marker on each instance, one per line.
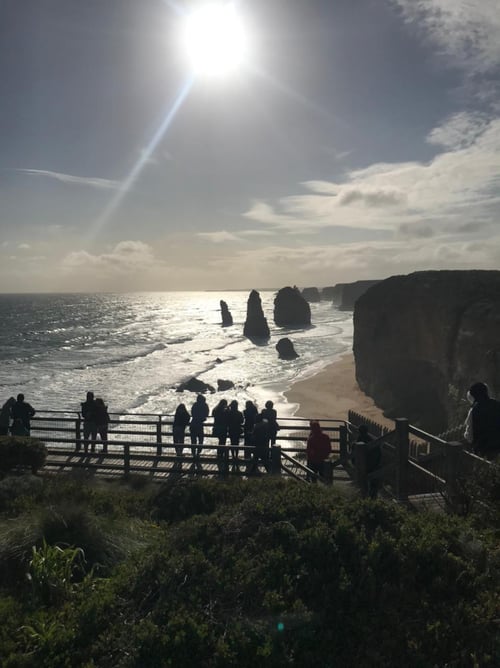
(214, 39)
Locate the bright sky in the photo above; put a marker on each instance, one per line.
(356, 140)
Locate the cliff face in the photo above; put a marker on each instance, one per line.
(337, 293)
(421, 340)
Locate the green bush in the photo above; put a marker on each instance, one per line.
(278, 574)
(21, 452)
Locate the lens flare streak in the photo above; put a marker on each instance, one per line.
(146, 154)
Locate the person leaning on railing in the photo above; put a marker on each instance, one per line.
(482, 426)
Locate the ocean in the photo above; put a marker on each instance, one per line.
(134, 349)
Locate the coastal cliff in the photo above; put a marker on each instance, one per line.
(421, 340)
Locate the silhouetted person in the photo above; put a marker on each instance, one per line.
(482, 427)
(271, 416)
(181, 421)
(219, 414)
(250, 413)
(260, 443)
(373, 459)
(89, 423)
(18, 428)
(6, 416)
(101, 417)
(318, 449)
(234, 427)
(23, 411)
(199, 413)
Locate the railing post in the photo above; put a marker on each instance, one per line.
(225, 462)
(126, 460)
(452, 464)
(275, 460)
(402, 453)
(78, 432)
(343, 442)
(158, 436)
(360, 465)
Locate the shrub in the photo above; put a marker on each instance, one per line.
(52, 569)
(21, 452)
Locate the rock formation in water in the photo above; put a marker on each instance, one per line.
(421, 340)
(285, 349)
(291, 309)
(195, 385)
(256, 326)
(223, 385)
(351, 292)
(328, 293)
(227, 318)
(311, 295)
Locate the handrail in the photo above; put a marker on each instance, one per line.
(427, 473)
(425, 436)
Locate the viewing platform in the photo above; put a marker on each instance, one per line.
(416, 468)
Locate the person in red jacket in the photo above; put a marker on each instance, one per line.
(318, 448)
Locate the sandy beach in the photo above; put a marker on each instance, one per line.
(332, 393)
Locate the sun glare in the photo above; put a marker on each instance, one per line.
(214, 39)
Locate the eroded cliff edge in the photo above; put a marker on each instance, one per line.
(421, 340)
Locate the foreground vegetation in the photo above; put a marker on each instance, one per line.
(229, 574)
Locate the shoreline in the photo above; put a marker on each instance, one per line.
(332, 392)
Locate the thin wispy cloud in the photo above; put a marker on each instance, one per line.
(467, 31)
(220, 237)
(125, 257)
(90, 181)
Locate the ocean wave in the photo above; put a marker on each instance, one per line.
(113, 360)
(180, 339)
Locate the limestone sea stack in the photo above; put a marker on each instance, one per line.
(351, 292)
(285, 349)
(256, 326)
(291, 309)
(421, 340)
(227, 318)
(327, 293)
(311, 295)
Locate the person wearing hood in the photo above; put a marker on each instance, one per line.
(482, 426)
(318, 448)
(6, 416)
(22, 410)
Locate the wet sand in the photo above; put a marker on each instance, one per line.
(332, 393)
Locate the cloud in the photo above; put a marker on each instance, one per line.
(219, 237)
(125, 258)
(24, 247)
(381, 197)
(459, 186)
(90, 181)
(459, 131)
(468, 31)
